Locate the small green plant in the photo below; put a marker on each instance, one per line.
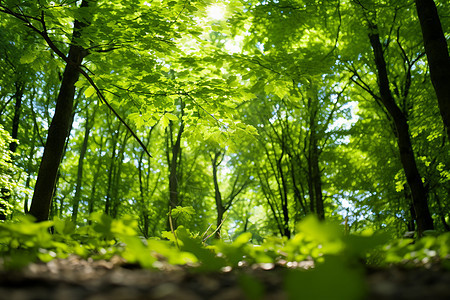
(336, 258)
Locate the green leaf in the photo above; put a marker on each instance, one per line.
(165, 121)
(207, 257)
(137, 252)
(340, 280)
(28, 57)
(171, 117)
(64, 227)
(89, 91)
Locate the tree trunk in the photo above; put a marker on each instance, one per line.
(16, 118)
(217, 195)
(299, 195)
(142, 192)
(93, 193)
(144, 189)
(117, 178)
(284, 197)
(442, 212)
(316, 177)
(58, 130)
(29, 166)
(312, 196)
(111, 171)
(174, 171)
(418, 193)
(76, 198)
(437, 54)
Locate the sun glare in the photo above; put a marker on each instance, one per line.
(216, 12)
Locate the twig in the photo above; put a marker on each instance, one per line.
(171, 228)
(217, 229)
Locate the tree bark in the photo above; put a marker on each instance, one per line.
(441, 212)
(284, 196)
(217, 195)
(418, 193)
(111, 171)
(95, 179)
(76, 198)
(59, 129)
(143, 190)
(29, 166)
(437, 55)
(117, 178)
(316, 177)
(16, 118)
(174, 170)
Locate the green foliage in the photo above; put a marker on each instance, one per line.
(252, 288)
(331, 279)
(337, 260)
(286, 91)
(8, 186)
(422, 251)
(183, 213)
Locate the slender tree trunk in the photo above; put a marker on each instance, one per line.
(29, 165)
(143, 207)
(58, 130)
(117, 178)
(299, 196)
(220, 209)
(418, 193)
(314, 174)
(144, 189)
(316, 177)
(76, 198)
(269, 194)
(16, 118)
(412, 213)
(174, 170)
(284, 197)
(437, 54)
(441, 212)
(311, 190)
(111, 171)
(91, 200)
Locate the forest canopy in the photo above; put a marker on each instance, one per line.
(226, 117)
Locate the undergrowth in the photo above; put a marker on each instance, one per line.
(338, 259)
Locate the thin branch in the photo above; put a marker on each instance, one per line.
(217, 229)
(52, 46)
(338, 9)
(390, 30)
(196, 103)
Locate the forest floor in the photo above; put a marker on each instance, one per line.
(78, 279)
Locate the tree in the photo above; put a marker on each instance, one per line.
(38, 17)
(437, 55)
(173, 153)
(238, 185)
(61, 121)
(407, 157)
(89, 120)
(307, 112)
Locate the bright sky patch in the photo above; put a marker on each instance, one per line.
(216, 11)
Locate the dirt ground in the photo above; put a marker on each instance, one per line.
(78, 279)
